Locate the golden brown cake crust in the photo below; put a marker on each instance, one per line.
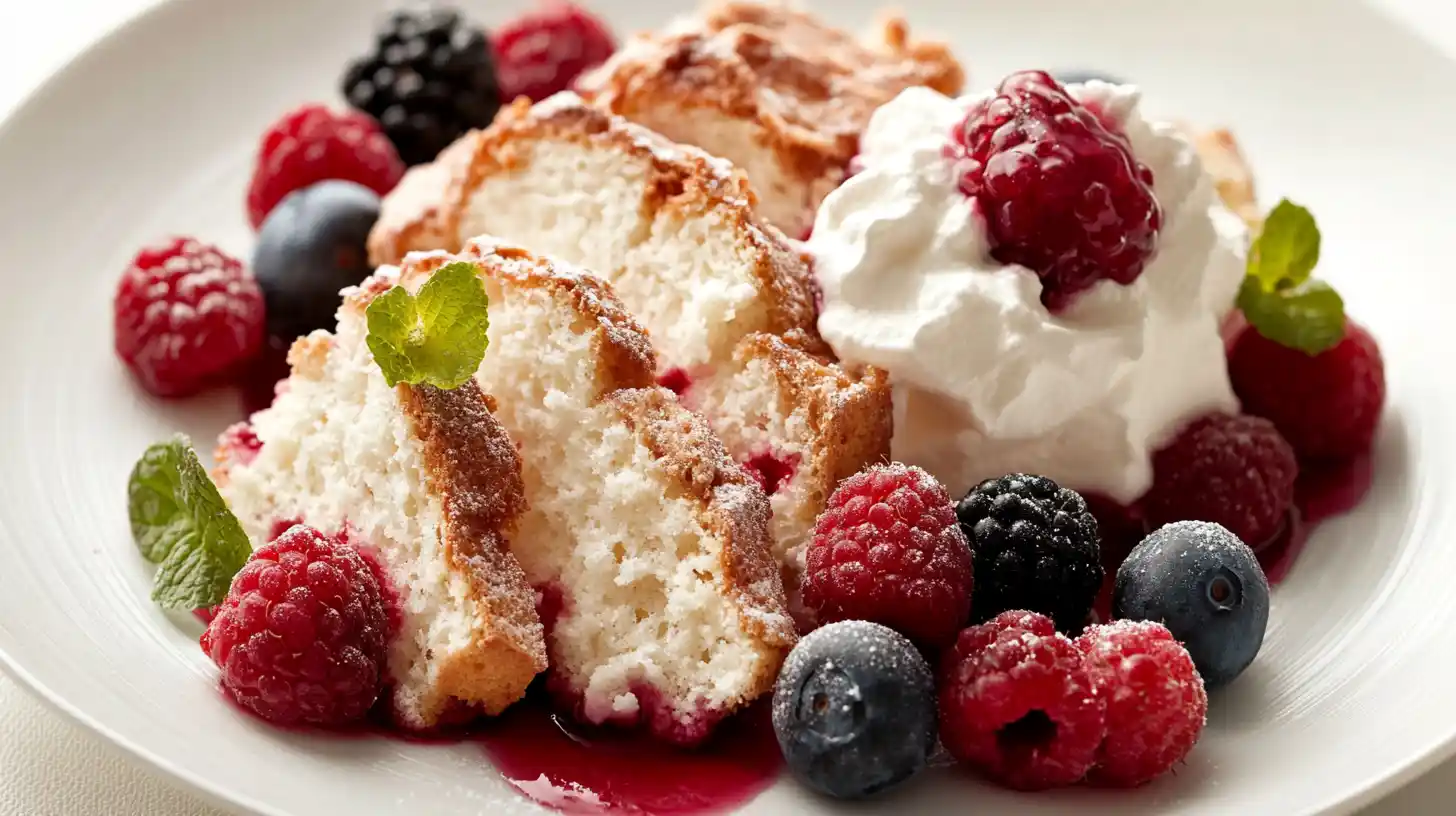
(731, 505)
(850, 413)
(474, 468)
(412, 217)
(810, 88)
(628, 359)
(683, 182)
(308, 354)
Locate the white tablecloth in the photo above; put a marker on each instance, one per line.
(48, 767)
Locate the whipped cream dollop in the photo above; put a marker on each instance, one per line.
(986, 380)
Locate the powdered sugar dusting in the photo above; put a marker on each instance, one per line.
(884, 650)
(1192, 539)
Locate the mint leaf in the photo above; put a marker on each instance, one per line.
(1278, 297)
(180, 520)
(1309, 317)
(436, 337)
(392, 320)
(1287, 249)
(157, 520)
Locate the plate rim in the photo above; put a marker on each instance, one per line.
(137, 755)
(227, 797)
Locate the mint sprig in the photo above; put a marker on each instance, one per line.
(437, 336)
(1279, 297)
(181, 523)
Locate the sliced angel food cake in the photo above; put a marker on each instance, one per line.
(648, 546)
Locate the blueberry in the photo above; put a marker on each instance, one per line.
(1206, 586)
(311, 246)
(854, 709)
(1079, 76)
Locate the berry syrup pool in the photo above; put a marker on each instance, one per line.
(551, 760)
(572, 769)
(1322, 492)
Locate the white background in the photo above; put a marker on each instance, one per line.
(49, 767)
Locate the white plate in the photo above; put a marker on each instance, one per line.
(151, 133)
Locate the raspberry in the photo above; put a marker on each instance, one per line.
(311, 144)
(1154, 696)
(887, 550)
(544, 51)
(1017, 703)
(1232, 470)
(1035, 546)
(186, 316)
(1327, 405)
(301, 637)
(1060, 190)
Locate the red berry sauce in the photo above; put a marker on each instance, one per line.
(580, 770)
(675, 380)
(771, 471)
(550, 604)
(1324, 491)
(577, 769)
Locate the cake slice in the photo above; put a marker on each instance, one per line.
(649, 547)
(671, 228)
(427, 481)
(674, 232)
(772, 89)
(801, 424)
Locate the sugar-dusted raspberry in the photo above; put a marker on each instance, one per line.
(1155, 700)
(1232, 470)
(311, 144)
(301, 637)
(1017, 703)
(1061, 193)
(887, 549)
(186, 316)
(1327, 405)
(545, 50)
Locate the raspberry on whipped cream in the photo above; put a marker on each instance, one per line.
(987, 380)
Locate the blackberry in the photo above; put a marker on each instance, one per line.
(1035, 548)
(430, 78)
